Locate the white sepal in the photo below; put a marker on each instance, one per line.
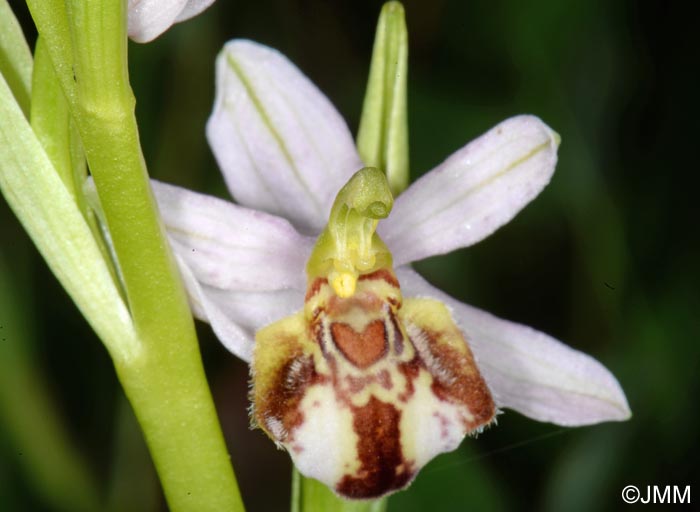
(529, 371)
(281, 146)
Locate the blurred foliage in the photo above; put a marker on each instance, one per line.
(605, 259)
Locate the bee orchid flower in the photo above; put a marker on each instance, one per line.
(361, 369)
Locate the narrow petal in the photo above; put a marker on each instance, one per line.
(474, 192)
(230, 247)
(529, 371)
(236, 316)
(15, 58)
(281, 145)
(150, 18)
(382, 137)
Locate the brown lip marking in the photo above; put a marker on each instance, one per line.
(341, 393)
(316, 331)
(315, 287)
(410, 370)
(384, 379)
(361, 348)
(282, 401)
(316, 313)
(382, 273)
(444, 424)
(398, 335)
(396, 303)
(365, 301)
(382, 465)
(466, 384)
(357, 384)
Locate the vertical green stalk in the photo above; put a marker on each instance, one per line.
(165, 380)
(382, 138)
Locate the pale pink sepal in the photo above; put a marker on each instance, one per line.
(147, 19)
(281, 146)
(472, 193)
(231, 247)
(236, 316)
(529, 371)
(192, 9)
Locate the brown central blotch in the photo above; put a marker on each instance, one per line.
(361, 348)
(383, 468)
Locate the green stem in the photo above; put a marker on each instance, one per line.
(165, 381)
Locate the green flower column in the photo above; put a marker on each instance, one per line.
(382, 142)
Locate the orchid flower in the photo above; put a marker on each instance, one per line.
(361, 369)
(148, 19)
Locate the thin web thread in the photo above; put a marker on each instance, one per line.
(497, 451)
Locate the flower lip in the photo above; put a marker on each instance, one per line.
(364, 390)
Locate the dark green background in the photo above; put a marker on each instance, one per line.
(605, 259)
